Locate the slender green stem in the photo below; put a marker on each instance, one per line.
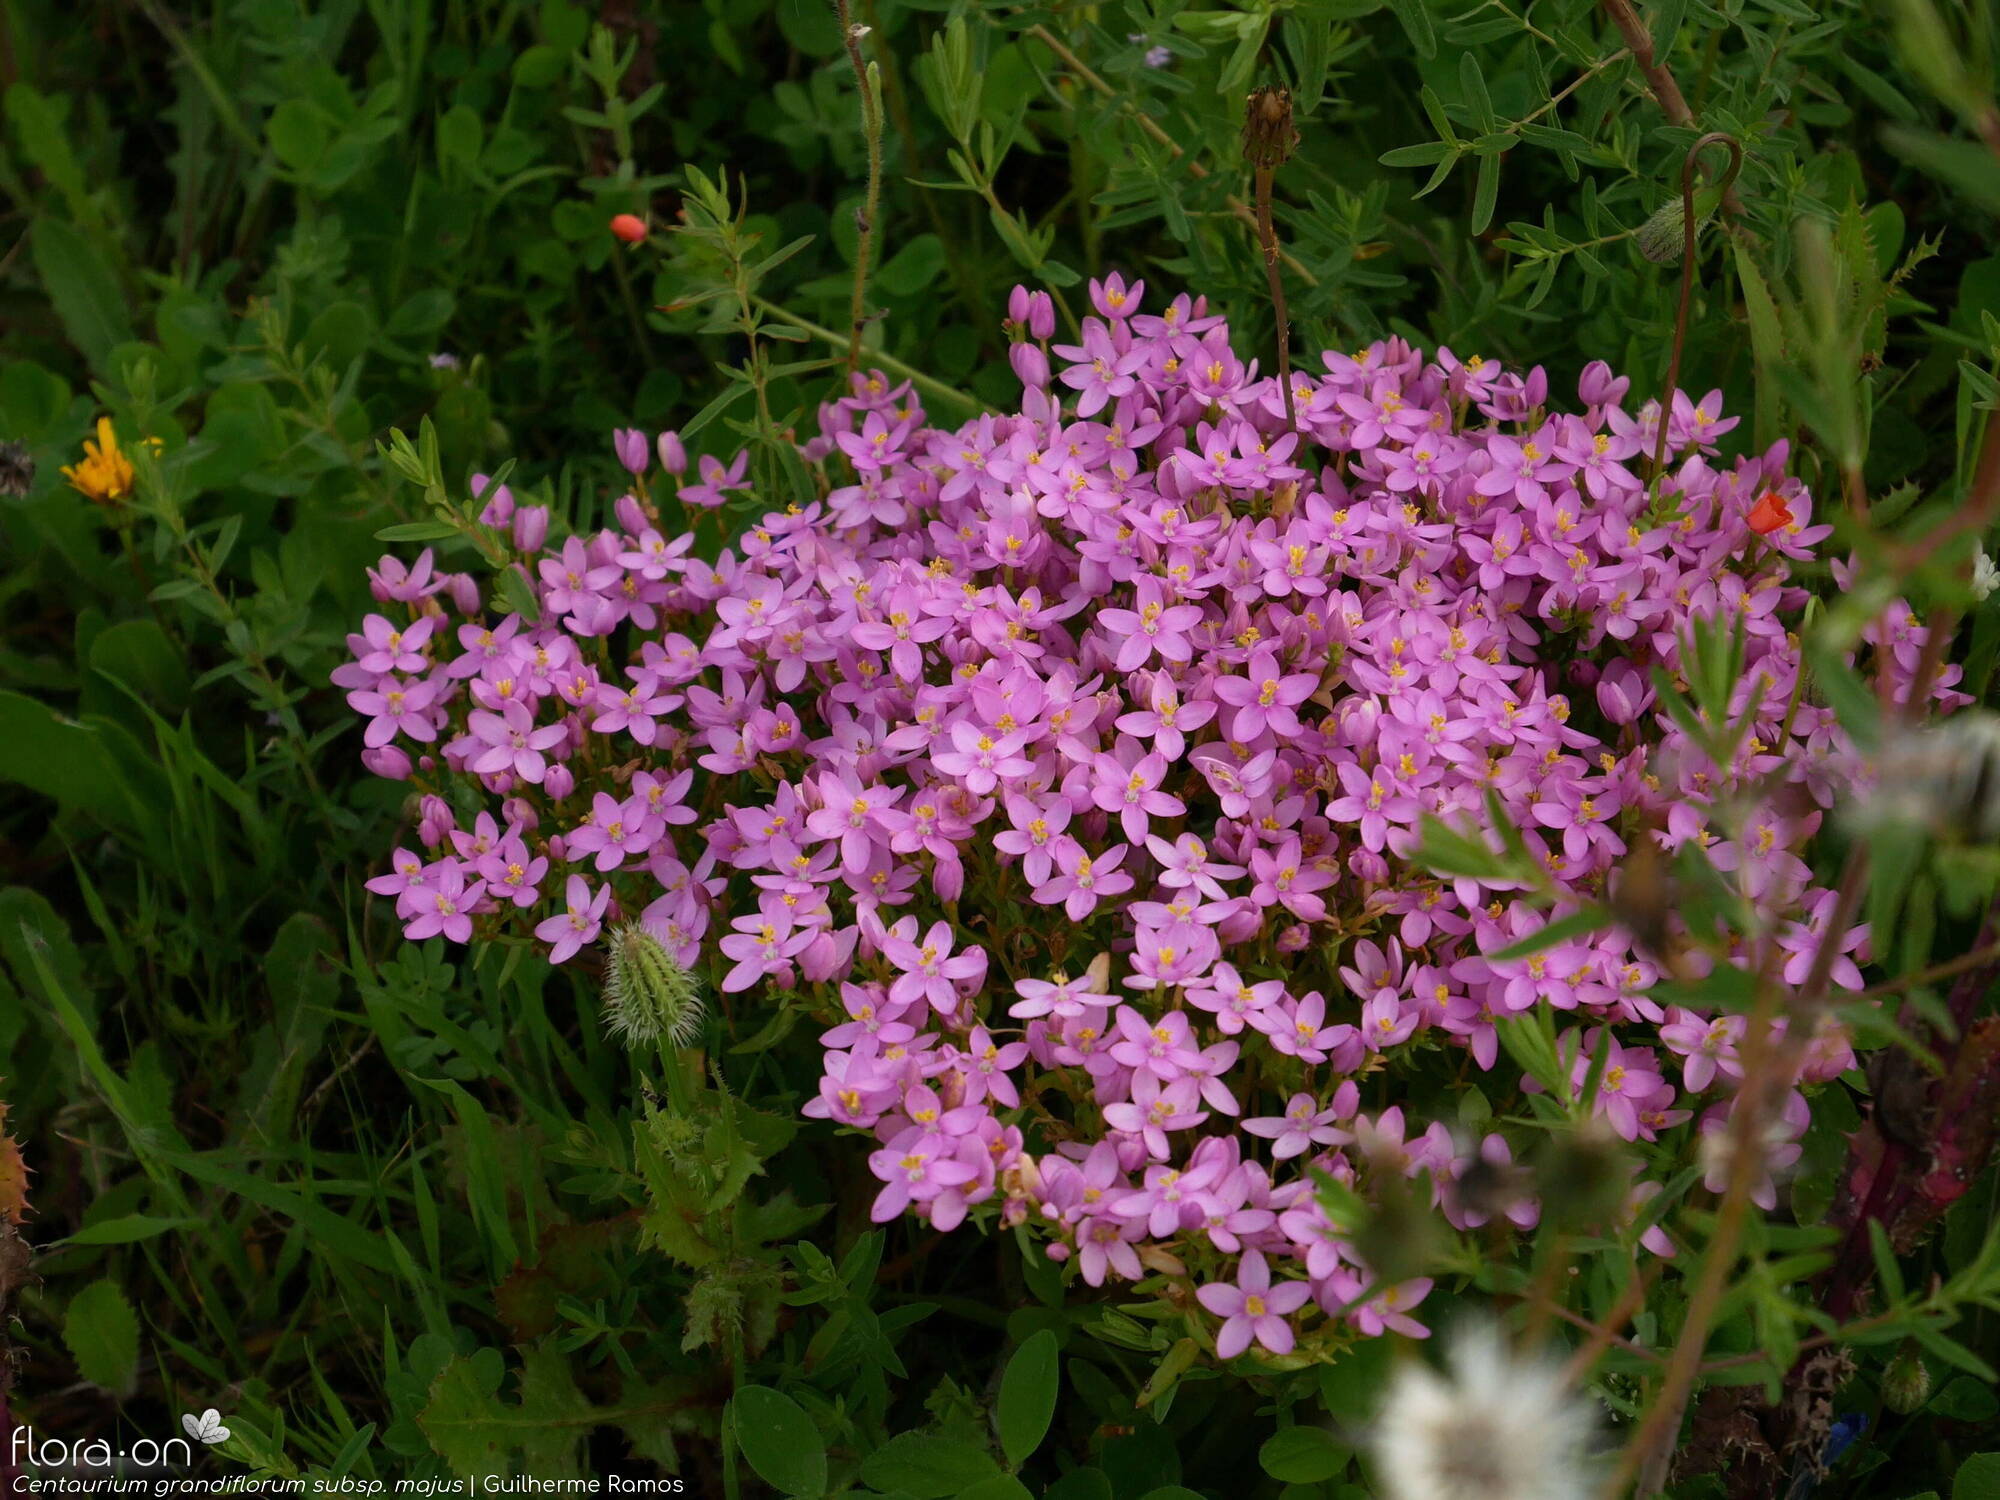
(888, 362)
(865, 79)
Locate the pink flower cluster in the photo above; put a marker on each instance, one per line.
(1071, 763)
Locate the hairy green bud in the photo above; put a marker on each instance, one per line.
(1662, 239)
(1906, 1384)
(648, 997)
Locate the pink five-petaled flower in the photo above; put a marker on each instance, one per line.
(762, 946)
(396, 706)
(1084, 880)
(1253, 1308)
(509, 741)
(915, 1171)
(1154, 626)
(1265, 697)
(1134, 794)
(930, 967)
(981, 758)
(445, 908)
(1303, 1125)
(580, 924)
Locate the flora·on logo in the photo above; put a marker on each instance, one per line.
(206, 1428)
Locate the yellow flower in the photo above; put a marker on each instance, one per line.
(105, 474)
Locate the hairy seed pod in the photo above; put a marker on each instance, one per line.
(648, 997)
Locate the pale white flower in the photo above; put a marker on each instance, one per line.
(1985, 576)
(1495, 1427)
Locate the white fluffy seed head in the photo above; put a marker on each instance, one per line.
(648, 996)
(1495, 1427)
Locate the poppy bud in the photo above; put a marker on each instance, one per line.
(1906, 1384)
(648, 996)
(629, 227)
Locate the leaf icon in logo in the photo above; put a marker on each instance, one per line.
(206, 1428)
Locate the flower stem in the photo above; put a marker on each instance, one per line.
(866, 79)
(888, 362)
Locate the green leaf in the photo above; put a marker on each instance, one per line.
(913, 268)
(417, 531)
(520, 596)
(926, 1466)
(1965, 1400)
(83, 291)
(1969, 168)
(1028, 1397)
(1472, 83)
(102, 1333)
(1576, 924)
(1978, 1478)
(478, 1434)
(1416, 19)
(1302, 1455)
(127, 1230)
(298, 133)
(779, 1440)
(999, 1487)
(1084, 1483)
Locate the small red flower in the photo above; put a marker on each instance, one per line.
(629, 227)
(1769, 513)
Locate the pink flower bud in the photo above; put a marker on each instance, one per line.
(630, 445)
(1597, 386)
(531, 528)
(435, 822)
(1369, 865)
(464, 591)
(673, 457)
(559, 781)
(1030, 365)
(499, 502)
(1041, 315)
(390, 762)
(630, 516)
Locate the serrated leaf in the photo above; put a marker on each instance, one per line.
(102, 1334)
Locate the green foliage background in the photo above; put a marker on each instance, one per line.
(400, 1212)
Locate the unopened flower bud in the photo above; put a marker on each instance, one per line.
(558, 782)
(648, 996)
(629, 227)
(1597, 386)
(464, 591)
(435, 821)
(1030, 365)
(387, 761)
(499, 508)
(630, 445)
(531, 528)
(1041, 315)
(1662, 239)
(1906, 1383)
(673, 457)
(629, 515)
